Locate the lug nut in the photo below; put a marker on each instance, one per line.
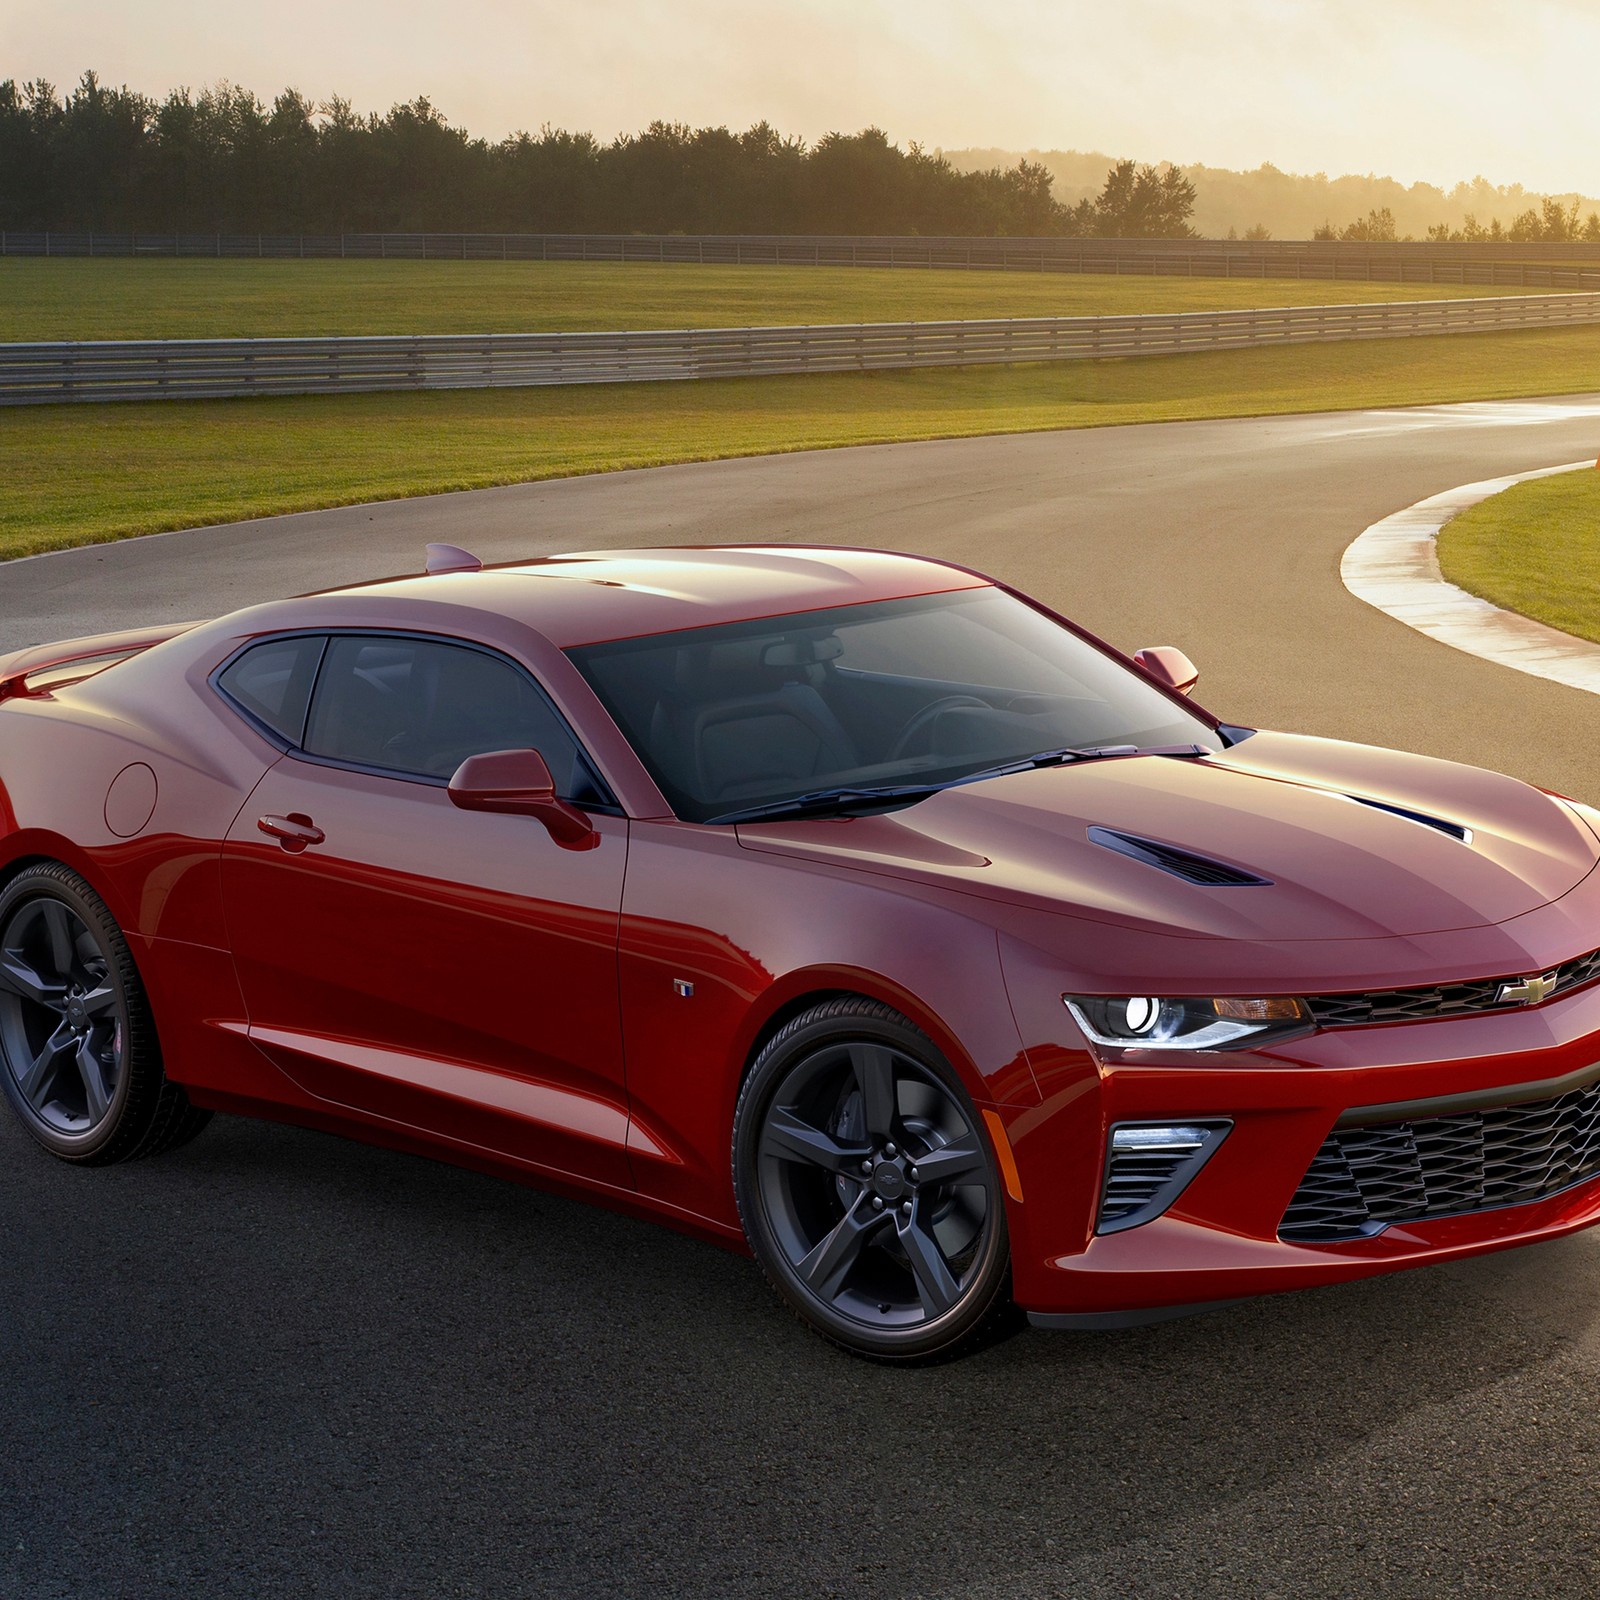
(914, 1175)
(889, 1150)
(905, 1208)
(866, 1167)
(877, 1202)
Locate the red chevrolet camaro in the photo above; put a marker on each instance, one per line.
(845, 905)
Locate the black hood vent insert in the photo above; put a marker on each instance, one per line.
(1183, 864)
(1456, 830)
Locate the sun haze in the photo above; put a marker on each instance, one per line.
(1420, 89)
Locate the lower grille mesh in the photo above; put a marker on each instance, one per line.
(1364, 1179)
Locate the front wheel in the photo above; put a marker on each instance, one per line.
(79, 1058)
(867, 1188)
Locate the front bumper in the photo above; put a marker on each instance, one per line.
(1219, 1241)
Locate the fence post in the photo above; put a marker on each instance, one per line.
(258, 247)
(47, 243)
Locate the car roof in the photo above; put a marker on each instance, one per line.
(590, 596)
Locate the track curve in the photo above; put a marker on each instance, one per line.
(1222, 537)
(280, 1364)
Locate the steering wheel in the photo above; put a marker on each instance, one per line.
(930, 714)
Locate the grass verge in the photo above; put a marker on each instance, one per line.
(74, 475)
(1533, 549)
(83, 299)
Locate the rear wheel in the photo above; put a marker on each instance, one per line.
(867, 1188)
(79, 1059)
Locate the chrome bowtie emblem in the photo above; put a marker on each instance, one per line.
(1528, 991)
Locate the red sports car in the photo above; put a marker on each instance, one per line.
(849, 906)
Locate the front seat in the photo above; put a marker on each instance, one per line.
(759, 743)
(733, 726)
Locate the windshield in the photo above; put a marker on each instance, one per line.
(927, 690)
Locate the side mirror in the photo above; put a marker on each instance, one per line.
(518, 783)
(1169, 666)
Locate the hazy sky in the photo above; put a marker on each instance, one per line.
(1434, 89)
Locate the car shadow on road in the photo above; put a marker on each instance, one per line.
(278, 1362)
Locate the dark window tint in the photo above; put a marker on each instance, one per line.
(414, 706)
(272, 681)
(929, 689)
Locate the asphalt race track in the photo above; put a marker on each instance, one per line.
(279, 1364)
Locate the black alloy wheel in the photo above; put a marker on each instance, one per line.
(79, 1061)
(867, 1187)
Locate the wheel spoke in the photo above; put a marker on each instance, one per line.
(936, 1285)
(874, 1070)
(19, 978)
(824, 1269)
(41, 1075)
(63, 946)
(99, 1001)
(92, 1071)
(787, 1138)
(961, 1161)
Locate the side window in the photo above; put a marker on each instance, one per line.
(272, 681)
(419, 707)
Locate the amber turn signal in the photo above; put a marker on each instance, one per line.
(1276, 1010)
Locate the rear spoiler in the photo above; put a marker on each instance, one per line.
(92, 654)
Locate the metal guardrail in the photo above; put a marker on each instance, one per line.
(210, 368)
(1572, 265)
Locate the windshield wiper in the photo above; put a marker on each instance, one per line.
(1093, 752)
(821, 802)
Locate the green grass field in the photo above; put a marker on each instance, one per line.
(1534, 549)
(83, 299)
(81, 474)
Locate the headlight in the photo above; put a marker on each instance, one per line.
(1142, 1021)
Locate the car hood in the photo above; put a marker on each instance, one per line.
(1303, 814)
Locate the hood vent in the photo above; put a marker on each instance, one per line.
(1438, 824)
(1180, 863)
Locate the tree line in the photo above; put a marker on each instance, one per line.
(1551, 221)
(102, 159)
(1266, 203)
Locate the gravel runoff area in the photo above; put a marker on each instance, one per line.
(277, 1364)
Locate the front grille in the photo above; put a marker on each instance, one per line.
(1439, 1000)
(1364, 1179)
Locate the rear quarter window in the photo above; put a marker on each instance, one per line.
(272, 682)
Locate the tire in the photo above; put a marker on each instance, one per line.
(839, 1119)
(80, 1063)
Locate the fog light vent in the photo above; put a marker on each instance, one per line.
(1148, 1165)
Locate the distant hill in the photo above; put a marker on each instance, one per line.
(1288, 204)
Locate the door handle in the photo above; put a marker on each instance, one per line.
(294, 832)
